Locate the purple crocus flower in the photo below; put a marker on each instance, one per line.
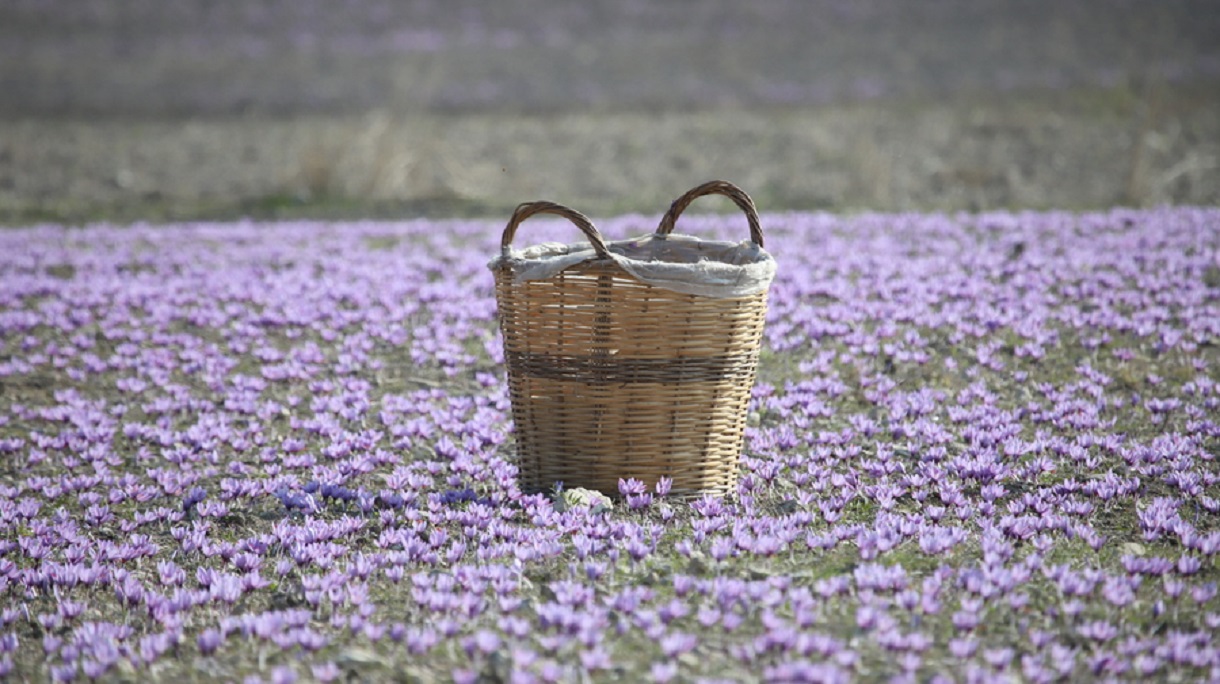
(209, 640)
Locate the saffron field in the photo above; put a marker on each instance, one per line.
(981, 447)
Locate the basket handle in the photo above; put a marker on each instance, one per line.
(528, 209)
(716, 187)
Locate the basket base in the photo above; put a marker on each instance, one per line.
(591, 435)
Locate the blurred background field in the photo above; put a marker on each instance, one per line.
(147, 110)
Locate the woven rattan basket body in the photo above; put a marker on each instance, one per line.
(611, 377)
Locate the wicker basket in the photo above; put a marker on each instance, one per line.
(612, 377)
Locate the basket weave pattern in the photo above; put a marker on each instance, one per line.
(611, 377)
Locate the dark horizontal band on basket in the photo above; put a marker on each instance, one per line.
(609, 370)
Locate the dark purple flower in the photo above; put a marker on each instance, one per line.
(194, 496)
(209, 640)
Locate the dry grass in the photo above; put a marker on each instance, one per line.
(1073, 151)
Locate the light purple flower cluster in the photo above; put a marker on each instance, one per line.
(980, 447)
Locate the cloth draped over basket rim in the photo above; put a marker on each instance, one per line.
(677, 262)
(682, 263)
(634, 358)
